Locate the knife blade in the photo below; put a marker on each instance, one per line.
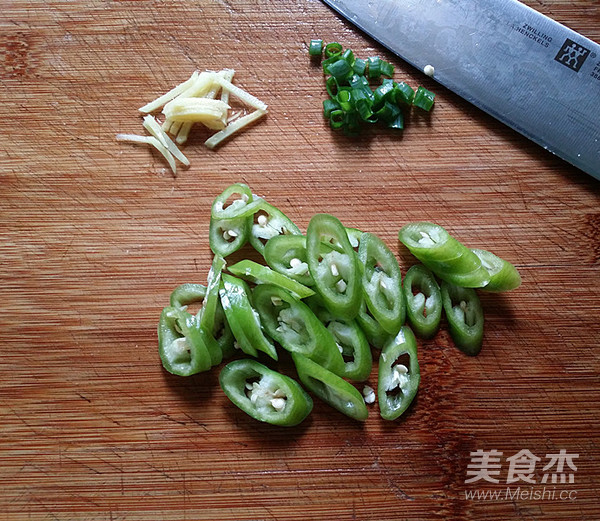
(535, 75)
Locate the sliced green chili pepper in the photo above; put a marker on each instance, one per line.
(269, 222)
(465, 317)
(423, 301)
(376, 335)
(292, 323)
(354, 236)
(181, 343)
(243, 318)
(352, 343)
(449, 259)
(226, 236)
(214, 349)
(186, 294)
(264, 394)
(336, 273)
(259, 274)
(209, 307)
(333, 390)
(244, 205)
(382, 283)
(213, 284)
(503, 275)
(190, 293)
(398, 378)
(223, 334)
(286, 254)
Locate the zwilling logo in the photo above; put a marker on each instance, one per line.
(572, 55)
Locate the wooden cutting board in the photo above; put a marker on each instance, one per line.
(95, 234)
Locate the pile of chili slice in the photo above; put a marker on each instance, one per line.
(362, 92)
(327, 297)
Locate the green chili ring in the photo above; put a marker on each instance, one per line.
(191, 293)
(292, 324)
(286, 254)
(503, 275)
(398, 383)
(181, 343)
(186, 294)
(242, 317)
(336, 274)
(382, 283)
(333, 390)
(268, 222)
(264, 394)
(226, 236)
(465, 317)
(423, 301)
(223, 334)
(448, 258)
(376, 335)
(354, 236)
(209, 307)
(353, 344)
(242, 206)
(253, 272)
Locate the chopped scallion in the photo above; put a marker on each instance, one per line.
(333, 49)
(328, 61)
(329, 105)
(360, 66)
(398, 122)
(387, 69)
(374, 67)
(352, 125)
(361, 83)
(383, 93)
(363, 107)
(336, 119)
(354, 99)
(315, 48)
(340, 70)
(424, 99)
(348, 56)
(360, 93)
(332, 87)
(344, 98)
(388, 113)
(404, 93)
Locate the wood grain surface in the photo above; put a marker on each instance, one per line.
(94, 234)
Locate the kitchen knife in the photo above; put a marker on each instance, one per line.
(525, 69)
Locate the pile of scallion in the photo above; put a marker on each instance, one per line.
(354, 100)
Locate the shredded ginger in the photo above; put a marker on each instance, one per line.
(195, 101)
